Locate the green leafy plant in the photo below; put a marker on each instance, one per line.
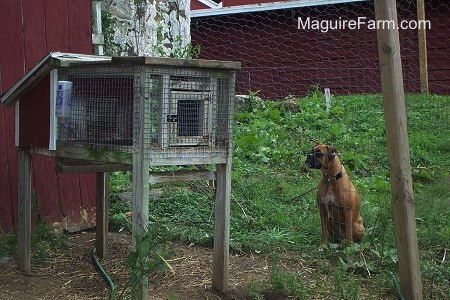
(44, 242)
(146, 258)
(346, 287)
(288, 284)
(110, 47)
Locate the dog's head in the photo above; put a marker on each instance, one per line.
(320, 156)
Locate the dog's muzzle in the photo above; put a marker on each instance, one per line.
(312, 162)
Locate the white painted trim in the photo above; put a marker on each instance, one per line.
(229, 10)
(16, 123)
(210, 3)
(53, 120)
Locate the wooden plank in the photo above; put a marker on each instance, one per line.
(46, 189)
(67, 165)
(34, 116)
(24, 214)
(56, 25)
(80, 32)
(82, 152)
(88, 197)
(6, 213)
(12, 68)
(222, 228)
(34, 32)
(157, 177)
(398, 151)
(70, 197)
(174, 62)
(42, 151)
(179, 159)
(101, 233)
(422, 34)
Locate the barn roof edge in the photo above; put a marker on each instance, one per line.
(52, 60)
(268, 6)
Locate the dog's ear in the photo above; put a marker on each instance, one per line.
(332, 152)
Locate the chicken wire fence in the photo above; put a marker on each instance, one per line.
(286, 51)
(182, 113)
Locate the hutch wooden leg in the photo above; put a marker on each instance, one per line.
(24, 210)
(222, 228)
(101, 215)
(140, 208)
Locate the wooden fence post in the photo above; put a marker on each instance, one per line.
(422, 36)
(398, 149)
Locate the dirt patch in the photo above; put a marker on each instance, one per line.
(70, 274)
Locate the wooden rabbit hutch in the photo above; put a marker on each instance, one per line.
(102, 114)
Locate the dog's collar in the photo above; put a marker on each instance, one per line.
(338, 176)
(335, 177)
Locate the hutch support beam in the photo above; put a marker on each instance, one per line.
(222, 228)
(141, 187)
(101, 215)
(158, 177)
(24, 213)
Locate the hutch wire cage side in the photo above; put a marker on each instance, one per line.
(184, 113)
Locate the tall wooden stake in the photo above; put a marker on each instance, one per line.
(398, 150)
(422, 36)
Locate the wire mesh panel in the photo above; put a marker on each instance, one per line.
(188, 113)
(285, 51)
(101, 107)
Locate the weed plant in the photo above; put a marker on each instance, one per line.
(273, 205)
(44, 242)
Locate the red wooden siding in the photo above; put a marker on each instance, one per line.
(278, 59)
(48, 25)
(198, 5)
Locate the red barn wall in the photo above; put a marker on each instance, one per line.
(197, 5)
(279, 60)
(28, 31)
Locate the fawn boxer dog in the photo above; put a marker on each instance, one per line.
(337, 198)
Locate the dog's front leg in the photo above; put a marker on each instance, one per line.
(323, 223)
(349, 224)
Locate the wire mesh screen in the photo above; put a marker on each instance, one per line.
(172, 115)
(101, 107)
(188, 112)
(284, 52)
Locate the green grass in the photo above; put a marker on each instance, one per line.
(44, 242)
(273, 207)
